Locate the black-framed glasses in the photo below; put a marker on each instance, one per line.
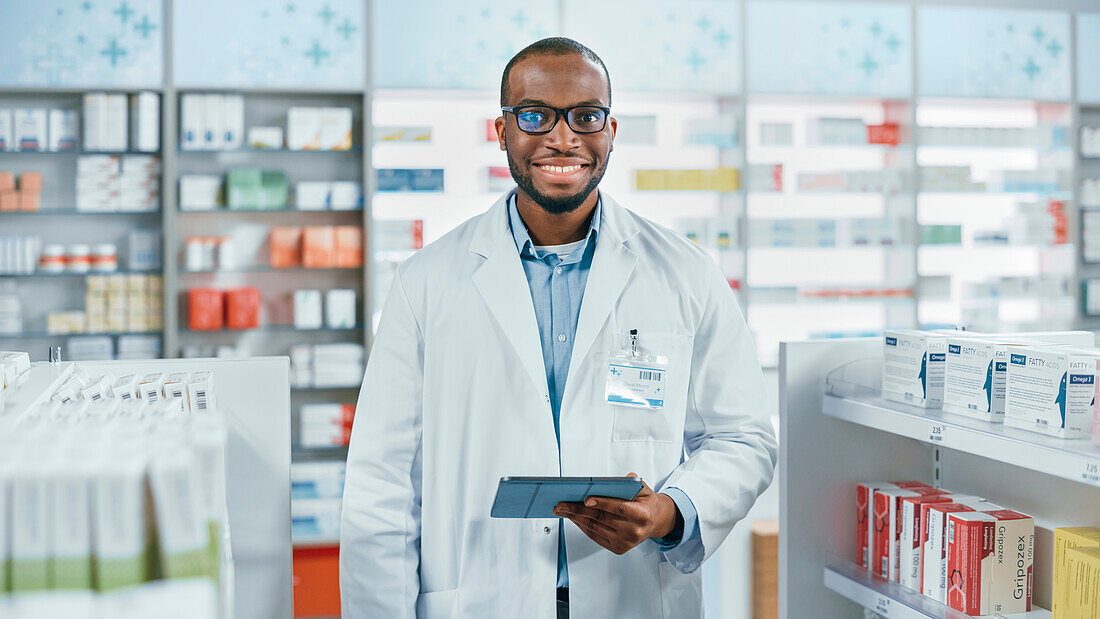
(543, 118)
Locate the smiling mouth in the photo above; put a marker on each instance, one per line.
(564, 173)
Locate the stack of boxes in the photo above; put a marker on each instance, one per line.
(316, 490)
(124, 303)
(338, 311)
(1039, 382)
(106, 183)
(409, 179)
(211, 309)
(38, 130)
(960, 550)
(321, 196)
(108, 129)
(26, 197)
(326, 425)
(317, 247)
(721, 179)
(327, 365)
(211, 122)
(255, 189)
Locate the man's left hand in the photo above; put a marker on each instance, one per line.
(620, 525)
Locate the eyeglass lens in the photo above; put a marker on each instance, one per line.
(580, 119)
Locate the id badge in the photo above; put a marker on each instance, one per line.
(636, 380)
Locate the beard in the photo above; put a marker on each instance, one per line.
(551, 204)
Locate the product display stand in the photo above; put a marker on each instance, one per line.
(257, 465)
(837, 431)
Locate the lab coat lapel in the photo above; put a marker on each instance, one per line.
(503, 285)
(612, 266)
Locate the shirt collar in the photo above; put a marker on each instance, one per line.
(526, 246)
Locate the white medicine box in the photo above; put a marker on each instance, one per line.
(1052, 390)
(913, 367)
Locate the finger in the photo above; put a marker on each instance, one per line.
(596, 515)
(603, 539)
(617, 507)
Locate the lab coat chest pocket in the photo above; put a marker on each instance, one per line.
(667, 423)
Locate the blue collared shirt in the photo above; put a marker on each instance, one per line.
(557, 287)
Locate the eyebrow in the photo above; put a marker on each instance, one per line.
(593, 102)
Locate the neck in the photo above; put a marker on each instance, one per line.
(555, 229)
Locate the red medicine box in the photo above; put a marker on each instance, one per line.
(242, 308)
(204, 309)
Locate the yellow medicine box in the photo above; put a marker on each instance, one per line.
(1066, 539)
(1083, 583)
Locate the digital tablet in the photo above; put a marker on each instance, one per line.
(536, 497)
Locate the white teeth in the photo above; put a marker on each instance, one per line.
(562, 169)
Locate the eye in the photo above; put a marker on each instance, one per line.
(534, 118)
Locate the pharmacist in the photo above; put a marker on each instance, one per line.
(492, 360)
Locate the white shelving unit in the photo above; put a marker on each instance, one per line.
(838, 434)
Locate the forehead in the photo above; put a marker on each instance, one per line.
(557, 80)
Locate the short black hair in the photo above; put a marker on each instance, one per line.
(553, 46)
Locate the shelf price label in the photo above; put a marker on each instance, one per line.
(1091, 473)
(936, 433)
(882, 606)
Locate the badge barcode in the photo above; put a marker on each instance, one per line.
(200, 400)
(647, 375)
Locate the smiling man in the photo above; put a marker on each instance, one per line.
(557, 334)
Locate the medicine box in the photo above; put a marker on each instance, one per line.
(1065, 540)
(990, 559)
(7, 140)
(30, 129)
(1052, 390)
(886, 530)
(62, 131)
(1083, 584)
(977, 367)
(913, 367)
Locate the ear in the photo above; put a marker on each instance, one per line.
(500, 126)
(614, 123)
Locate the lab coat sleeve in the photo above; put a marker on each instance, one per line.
(380, 526)
(728, 436)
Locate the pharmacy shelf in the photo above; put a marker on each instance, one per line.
(1076, 459)
(322, 389)
(268, 269)
(43, 335)
(251, 150)
(297, 450)
(287, 209)
(893, 601)
(79, 152)
(71, 212)
(41, 275)
(272, 329)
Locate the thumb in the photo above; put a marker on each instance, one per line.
(645, 487)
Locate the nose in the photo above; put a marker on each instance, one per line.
(562, 138)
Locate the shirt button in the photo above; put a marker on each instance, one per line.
(559, 270)
(546, 530)
(561, 337)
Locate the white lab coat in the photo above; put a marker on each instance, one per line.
(455, 397)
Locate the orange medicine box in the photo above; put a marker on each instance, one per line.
(319, 247)
(242, 308)
(349, 246)
(204, 309)
(286, 247)
(30, 182)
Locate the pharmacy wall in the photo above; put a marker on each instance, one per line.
(202, 179)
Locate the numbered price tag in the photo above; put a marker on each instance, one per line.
(882, 606)
(1091, 473)
(937, 433)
